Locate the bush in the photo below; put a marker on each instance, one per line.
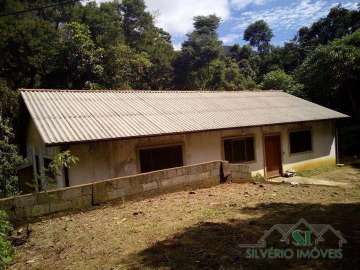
(279, 80)
(6, 250)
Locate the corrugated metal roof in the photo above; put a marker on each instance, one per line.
(66, 116)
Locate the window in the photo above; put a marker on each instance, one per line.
(300, 141)
(239, 150)
(153, 159)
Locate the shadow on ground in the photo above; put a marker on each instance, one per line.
(215, 245)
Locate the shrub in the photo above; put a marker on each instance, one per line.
(6, 250)
(279, 80)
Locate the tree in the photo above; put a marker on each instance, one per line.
(259, 35)
(238, 76)
(338, 23)
(239, 53)
(330, 74)
(137, 23)
(79, 61)
(144, 37)
(8, 102)
(27, 45)
(125, 68)
(161, 72)
(9, 161)
(279, 80)
(104, 22)
(291, 55)
(193, 67)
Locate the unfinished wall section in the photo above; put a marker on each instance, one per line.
(236, 173)
(158, 182)
(122, 188)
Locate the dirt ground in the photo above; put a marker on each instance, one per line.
(195, 230)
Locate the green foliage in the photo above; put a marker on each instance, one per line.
(116, 45)
(126, 69)
(338, 23)
(79, 60)
(61, 160)
(27, 44)
(330, 74)
(194, 68)
(137, 23)
(258, 178)
(104, 22)
(9, 161)
(203, 65)
(259, 35)
(279, 80)
(8, 101)
(6, 250)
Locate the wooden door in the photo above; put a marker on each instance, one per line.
(273, 155)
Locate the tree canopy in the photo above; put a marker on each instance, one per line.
(117, 45)
(259, 35)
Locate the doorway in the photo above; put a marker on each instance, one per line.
(273, 164)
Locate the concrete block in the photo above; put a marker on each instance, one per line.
(180, 171)
(19, 213)
(40, 210)
(71, 193)
(155, 176)
(150, 186)
(7, 203)
(139, 178)
(176, 181)
(83, 202)
(193, 178)
(101, 196)
(60, 206)
(46, 197)
(166, 182)
(115, 194)
(179, 180)
(171, 173)
(86, 189)
(25, 200)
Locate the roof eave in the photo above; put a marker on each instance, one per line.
(185, 132)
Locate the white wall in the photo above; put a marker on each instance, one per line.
(102, 160)
(109, 159)
(36, 147)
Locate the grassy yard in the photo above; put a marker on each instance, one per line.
(195, 230)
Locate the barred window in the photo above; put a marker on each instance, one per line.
(239, 150)
(152, 159)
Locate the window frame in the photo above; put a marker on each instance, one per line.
(156, 146)
(311, 140)
(238, 138)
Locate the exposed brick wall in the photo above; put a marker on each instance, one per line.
(126, 188)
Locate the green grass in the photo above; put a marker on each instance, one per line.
(317, 171)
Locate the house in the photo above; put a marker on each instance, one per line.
(119, 133)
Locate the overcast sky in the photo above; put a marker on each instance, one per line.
(284, 17)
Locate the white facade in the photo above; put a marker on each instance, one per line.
(108, 159)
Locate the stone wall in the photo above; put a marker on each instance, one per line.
(126, 188)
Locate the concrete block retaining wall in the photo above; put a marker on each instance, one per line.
(125, 188)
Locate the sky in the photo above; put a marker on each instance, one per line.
(284, 17)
